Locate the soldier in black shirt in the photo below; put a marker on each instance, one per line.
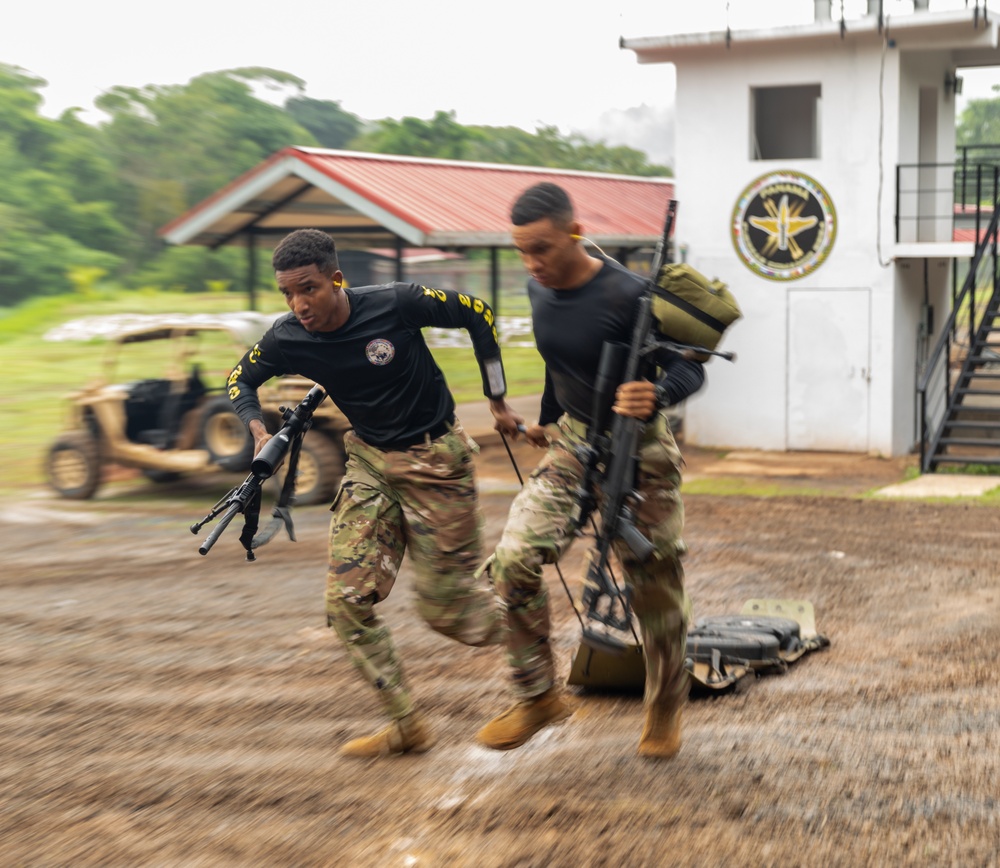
(578, 302)
(409, 482)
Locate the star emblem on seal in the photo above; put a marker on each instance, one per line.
(783, 225)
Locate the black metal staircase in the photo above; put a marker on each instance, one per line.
(958, 393)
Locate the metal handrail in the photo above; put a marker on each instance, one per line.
(967, 289)
(964, 159)
(938, 361)
(972, 186)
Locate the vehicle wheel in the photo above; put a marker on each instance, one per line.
(73, 465)
(320, 469)
(227, 440)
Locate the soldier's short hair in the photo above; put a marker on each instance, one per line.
(306, 247)
(541, 201)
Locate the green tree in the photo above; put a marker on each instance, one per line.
(979, 123)
(77, 198)
(177, 144)
(550, 148)
(81, 160)
(331, 126)
(65, 185)
(515, 146)
(20, 121)
(53, 210)
(618, 159)
(443, 137)
(35, 261)
(192, 268)
(46, 197)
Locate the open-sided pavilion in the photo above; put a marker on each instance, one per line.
(375, 200)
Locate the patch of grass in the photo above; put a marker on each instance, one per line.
(992, 497)
(971, 470)
(734, 485)
(962, 500)
(522, 365)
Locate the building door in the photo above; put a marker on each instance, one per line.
(828, 369)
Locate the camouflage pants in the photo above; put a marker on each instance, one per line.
(422, 500)
(539, 531)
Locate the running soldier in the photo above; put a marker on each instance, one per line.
(579, 301)
(409, 483)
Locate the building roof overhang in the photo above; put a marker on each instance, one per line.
(973, 38)
(371, 200)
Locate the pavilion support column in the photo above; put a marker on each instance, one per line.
(495, 280)
(399, 259)
(252, 270)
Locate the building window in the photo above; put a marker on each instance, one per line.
(785, 122)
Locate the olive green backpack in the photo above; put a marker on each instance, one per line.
(690, 308)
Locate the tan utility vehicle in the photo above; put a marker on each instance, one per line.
(181, 422)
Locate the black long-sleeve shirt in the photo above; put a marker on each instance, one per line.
(571, 326)
(376, 367)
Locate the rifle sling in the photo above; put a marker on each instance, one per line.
(287, 491)
(288, 487)
(251, 521)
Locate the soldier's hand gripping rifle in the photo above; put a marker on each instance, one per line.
(246, 497)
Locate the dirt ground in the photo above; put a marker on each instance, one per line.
(158, 707)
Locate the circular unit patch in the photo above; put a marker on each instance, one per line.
(380, 351)
(783, 225)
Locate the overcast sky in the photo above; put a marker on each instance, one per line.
(515, 62)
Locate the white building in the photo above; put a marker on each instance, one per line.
(797, 161)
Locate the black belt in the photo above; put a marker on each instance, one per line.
(439, 430)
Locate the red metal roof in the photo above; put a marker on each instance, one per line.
(960, 234)
(427, 202)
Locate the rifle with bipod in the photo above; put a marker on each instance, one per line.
(246, 497)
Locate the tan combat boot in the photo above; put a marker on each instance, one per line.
(520, 722)
(661, 736)
(408, 734)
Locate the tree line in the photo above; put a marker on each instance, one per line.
(81, 203)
